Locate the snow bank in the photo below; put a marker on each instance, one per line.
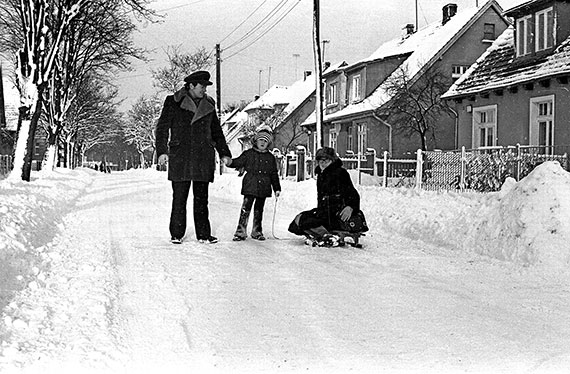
(527, 222)
(29, 216)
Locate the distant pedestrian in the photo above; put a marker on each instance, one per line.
(188, 134)
(260, 177)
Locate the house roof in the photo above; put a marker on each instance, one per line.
(423, 48)
(290, 96)
(496, 68)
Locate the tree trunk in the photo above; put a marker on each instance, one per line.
(25, 141)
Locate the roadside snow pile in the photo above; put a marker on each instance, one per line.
(527, 222)
(29, 216)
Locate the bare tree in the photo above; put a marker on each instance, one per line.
(415, 106)
(180, 64)
(39, 29)
(97, 42)
(93, 119)
(139, 126)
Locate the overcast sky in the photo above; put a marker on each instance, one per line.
(258, 51)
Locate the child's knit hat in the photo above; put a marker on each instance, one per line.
(263, 134)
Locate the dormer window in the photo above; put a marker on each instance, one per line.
(355, 88)
(332, 94)
(544, 29)
(524, 35)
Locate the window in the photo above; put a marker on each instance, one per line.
(362, 138)
(349, 138)
(544, 31)
(355, 88)
(485, 126)
(541, 129)
(524, 35)
(458, 70)
(333, 136)
(489, 31)
(332, 94)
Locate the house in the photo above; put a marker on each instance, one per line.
(517, 92)
(355, 100)
(281, 108)
(232, 127)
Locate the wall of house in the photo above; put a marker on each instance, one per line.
(513, 113)
(562, 28)
(378, 71)
(467, 49)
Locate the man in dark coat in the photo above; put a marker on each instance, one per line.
(188, 134)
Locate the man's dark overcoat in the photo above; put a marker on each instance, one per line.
(190, 137)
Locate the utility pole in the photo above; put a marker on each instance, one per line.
(259, 88)
(218, 81)
(325, 41)
(269, 78)
(296, 56)
(417, 29)
(318, 75)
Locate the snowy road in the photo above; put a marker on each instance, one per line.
(397, 305)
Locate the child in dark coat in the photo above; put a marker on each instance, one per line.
(260, 177)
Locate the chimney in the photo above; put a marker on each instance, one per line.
(409, 30)
(255, 97)
(306, 74)
(449, 11)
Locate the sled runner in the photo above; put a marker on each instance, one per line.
(350, 238)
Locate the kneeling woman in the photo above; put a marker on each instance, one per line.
(337, 199)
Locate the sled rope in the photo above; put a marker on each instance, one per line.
(273, 220)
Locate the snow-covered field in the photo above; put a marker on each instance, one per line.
(445, 283)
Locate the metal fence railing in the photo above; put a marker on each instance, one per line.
(5, 164)
(483, 169)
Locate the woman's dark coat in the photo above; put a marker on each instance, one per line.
(194, 136)
(261, 172)
(335, 190)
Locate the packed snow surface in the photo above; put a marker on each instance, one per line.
(446, 282)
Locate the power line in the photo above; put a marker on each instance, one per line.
(180, 6)
(266, 31)
(268, 17)
(248, 17)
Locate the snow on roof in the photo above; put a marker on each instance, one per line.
(273, 96)
(424, 46)
(291, 96)
(496, 68)
(235, 125)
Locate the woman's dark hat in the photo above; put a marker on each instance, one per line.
(201, 76)
(326, 153)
